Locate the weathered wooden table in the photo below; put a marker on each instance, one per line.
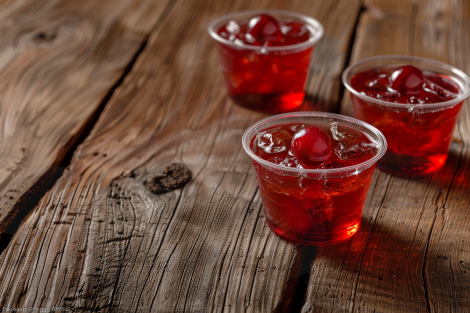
(129, 87)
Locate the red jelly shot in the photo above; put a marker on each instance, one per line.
(313, 170)
(414, 102)
(265, 57)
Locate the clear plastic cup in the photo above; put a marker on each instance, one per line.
(314, 206)
(418, 135)
(266, 78)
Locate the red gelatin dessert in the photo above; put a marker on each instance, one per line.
(313, 182)
(415, 107)
(265, 57)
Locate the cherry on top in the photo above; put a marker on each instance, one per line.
(405, 84)
(265, 30)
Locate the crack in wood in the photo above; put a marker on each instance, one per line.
(294, 294)
(349, 52)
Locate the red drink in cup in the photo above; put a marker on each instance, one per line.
(314, 170)
(265, 56)
(414, 102)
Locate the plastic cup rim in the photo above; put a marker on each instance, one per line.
(351, 168)
(410, 107)
(316, 25)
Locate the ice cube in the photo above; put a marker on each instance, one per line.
(293, 29)
(238, 42)
(278, 180)
(232, 27)
(250, 39)
(275, 140)
(284, 160)
(349, 184)
(285, 29)
(318, 205)
(291, 161)
(276, 160)
(347, 151)
(341, 136)
(296, 128)
(332, 164)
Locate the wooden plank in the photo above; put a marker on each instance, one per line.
(411, 253)
(330, 54)
(447, 270)
(378, 34)
(58, 62)
(100, 241)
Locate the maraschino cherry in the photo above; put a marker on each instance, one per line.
(264, 28)
(312, 145)
(407, 79)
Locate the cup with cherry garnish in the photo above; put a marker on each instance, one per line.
(414, 102)
(314, 170)
(265, 55)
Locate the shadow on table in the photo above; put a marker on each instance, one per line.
(374, 265)
(380, 265)
(456, 171)
(313, 103)
(346, 260)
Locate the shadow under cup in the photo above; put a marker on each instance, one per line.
(313, 206)
(418, 135)
(266, 78)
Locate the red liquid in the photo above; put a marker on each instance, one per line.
(418, 141)
(266, 81)
(305, 209)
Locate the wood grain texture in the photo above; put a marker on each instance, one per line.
(323, 87)
(100, 241)
(58, 62)
(412, 251)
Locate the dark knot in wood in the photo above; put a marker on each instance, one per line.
(45, 36)
(173, 177)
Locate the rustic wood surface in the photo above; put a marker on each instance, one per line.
(59, 60)
(101, 241)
